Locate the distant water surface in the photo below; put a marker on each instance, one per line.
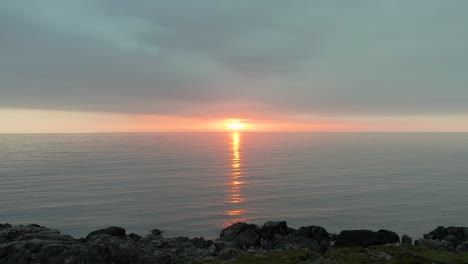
(195, 184)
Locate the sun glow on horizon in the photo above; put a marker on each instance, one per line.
(235, 124)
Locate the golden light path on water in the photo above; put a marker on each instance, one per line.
(235, 198)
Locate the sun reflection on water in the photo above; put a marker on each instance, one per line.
(235, 199)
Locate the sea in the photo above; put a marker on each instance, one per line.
(196, 184)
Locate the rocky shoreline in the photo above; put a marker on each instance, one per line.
(37, 244)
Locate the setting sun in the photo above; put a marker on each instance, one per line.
(235, 125)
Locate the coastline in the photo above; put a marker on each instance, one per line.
(24, 244)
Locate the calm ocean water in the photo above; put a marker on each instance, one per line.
(195, 184)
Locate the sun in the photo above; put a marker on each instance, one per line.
(235, 125)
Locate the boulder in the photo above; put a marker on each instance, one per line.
(365, 238)
(229, 253)
(406, 240)
(111, 231)
(276, 228)
(316, 233)
(436, 244)
(156, 232)
(134, 237)
(450, 238)
(241, 234)
(452, 233)
(462, 248)
(387, 237)
(3, 226)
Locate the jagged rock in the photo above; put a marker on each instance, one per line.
(407, 240)
(365, 238)
(241, 234)
(111, 231)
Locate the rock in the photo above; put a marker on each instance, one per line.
(406, 240)
(383, 256)
(156, 232)
(451, 233)
(277, 228)
(111, 231)
(450, 238)
(229, 253)
(241, 234)
(200, 242)
(325, 245)
(3, 226)
(435, 244)
(34, 244)
(462, 248)
(317, 233)
(465, 233)
(365, 238)
(275, 235)
(388, 237)
(134, 237)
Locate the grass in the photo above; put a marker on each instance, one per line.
(293, 256)
(357, 255)
(398, 254)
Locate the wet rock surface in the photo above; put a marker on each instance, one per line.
(37, 244)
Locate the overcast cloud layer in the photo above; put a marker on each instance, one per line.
(250, 56)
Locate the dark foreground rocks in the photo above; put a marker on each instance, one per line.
(40, 245)
(450, 238)
(365, 238)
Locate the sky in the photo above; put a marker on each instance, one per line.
(183, 65)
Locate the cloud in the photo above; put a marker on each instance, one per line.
(249, 57)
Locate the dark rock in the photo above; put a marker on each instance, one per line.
(3, 226)
(34, 244)
(450, 238)
(451, 233)
(436, 244)
(134, 237)
(277, 228)
(241, 234)
(200, 242)
(439, 233)
(317, 233)
(275, 235)
(156, 232)
(111, 231)
(407, 240)
(365, 238)
(229, 253)
(462, 248)
(325, 245)
(388, 237)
